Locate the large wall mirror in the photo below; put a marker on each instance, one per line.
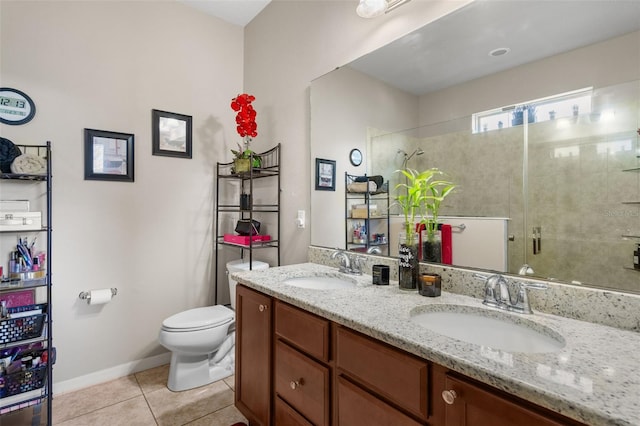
(563, 185)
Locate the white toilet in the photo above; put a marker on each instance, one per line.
(202, 340)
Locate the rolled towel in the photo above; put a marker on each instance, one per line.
(362, 187)
(8, 152)
(30, 164)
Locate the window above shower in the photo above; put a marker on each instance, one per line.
(564, 105)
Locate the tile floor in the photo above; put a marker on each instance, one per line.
(141, 399)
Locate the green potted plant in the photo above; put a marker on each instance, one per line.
(410, 195)
(434, 191)
(408, 199)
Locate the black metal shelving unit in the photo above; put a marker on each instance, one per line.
(269, 170)
(375, 221)
(29, 388)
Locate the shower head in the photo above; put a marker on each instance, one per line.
(418, 151)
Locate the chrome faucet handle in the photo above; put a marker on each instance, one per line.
(356, 264)
(522, 304)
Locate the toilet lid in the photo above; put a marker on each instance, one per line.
(199, 318)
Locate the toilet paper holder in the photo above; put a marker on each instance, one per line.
(86, 295)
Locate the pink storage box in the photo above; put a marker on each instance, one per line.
(244, 239)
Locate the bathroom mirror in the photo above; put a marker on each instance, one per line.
(566, 187)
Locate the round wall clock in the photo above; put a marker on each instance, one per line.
(16, 107)
(355, 156)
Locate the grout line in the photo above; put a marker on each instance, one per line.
(146, 401)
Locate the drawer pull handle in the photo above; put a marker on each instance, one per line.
(262, 308)
(449, 396)
(296, 383)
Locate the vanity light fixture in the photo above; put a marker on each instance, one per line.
(373, 8)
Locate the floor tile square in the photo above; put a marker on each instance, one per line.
(225, 417)
(153, 379)
(133, 412)
(179, 408)
(74, 404)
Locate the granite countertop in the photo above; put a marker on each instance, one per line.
(595, 378)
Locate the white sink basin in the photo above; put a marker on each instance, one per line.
(489, 328)
(321, 282)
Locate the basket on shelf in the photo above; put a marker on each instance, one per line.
(23, 381)
(23, 327)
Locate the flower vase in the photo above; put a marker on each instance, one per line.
(408, 261)
(432, 247)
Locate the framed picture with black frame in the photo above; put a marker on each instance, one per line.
(325, 175)
(108, 155)
(171, 133)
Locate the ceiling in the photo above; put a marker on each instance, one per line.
(455, 49)
(239, 12)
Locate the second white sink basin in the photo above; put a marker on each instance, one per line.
(489, 328)
(321, 282)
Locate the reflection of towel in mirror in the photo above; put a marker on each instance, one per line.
(362, 187)
(29, 164)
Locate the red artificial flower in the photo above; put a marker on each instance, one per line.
(246, 117)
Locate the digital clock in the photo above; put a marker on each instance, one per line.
(16, 107)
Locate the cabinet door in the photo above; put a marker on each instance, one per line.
(253, 355)
(473, 405)
(356, 407)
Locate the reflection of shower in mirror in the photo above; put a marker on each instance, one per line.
(407, 157)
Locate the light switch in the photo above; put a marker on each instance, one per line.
(300, 220)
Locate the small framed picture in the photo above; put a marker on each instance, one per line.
(325, 175)
(108, 155)
(171, 134)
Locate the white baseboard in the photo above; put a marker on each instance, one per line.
(109, 374)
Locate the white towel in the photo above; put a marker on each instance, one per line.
(369, 186)
(29, 164)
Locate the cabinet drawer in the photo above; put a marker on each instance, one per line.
(285, 415)
(357, 407)
(394, 375)
(303, 383)
(303, 330)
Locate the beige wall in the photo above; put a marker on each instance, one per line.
(105, 65)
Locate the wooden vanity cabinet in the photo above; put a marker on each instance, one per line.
(294, 368)
(253, 355)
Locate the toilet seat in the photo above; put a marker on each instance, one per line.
(199, 319)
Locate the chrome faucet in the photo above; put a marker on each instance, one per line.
(497, 294)
(349, 263)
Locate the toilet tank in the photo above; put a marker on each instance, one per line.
(240, 265)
